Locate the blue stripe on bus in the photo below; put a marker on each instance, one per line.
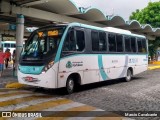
(124, 69)
(57, 58)
(100, 65)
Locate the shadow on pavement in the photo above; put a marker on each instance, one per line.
(92, 86)
(7, 76)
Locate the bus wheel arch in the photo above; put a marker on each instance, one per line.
(73, 80)
(129, 74)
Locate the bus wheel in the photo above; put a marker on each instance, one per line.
(128, 76)
(70, 85)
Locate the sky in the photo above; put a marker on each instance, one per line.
(122, 8)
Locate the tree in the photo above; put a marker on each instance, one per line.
(149, 15)
(153, 46)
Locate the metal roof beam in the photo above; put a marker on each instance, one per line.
(40, 14)
(13, 33)
(35, 2)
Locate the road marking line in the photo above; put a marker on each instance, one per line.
(6, 92)
(12, 94)
(42, 102)
(64, 114)
(109, 116)
(14, 97)
(11, 90)
(81, 116)
(21, 100)
(82, 108)
(7, 89)
(28, 103)
(62, 107)
(45, 105)
(65, 106)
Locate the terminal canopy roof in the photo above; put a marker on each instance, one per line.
(42, 12)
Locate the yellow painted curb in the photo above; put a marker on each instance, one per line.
(153, 67)
(14, 85)
(156, 62)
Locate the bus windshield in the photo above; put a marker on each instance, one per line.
(43, 43)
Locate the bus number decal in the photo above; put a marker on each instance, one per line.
(114, 61)
(133, 60)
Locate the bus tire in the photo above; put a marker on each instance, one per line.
(128, 76)
(70, 85)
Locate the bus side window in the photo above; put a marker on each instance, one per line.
(7, 45)
(133, 44)
(72, 41)
(80, 40)
(144, 46)
(95, 41)
(69, 43)
(112, 42)
(102, 41)
(127, 40)
(139, 43)
(13, 45)
(119, 40)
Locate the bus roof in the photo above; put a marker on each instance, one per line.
(8, 41)
(107, 29)
(113, 30)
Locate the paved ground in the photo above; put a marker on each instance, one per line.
(141, 94)
(7, 77)
(52, 101)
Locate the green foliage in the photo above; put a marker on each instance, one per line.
(153, 45)
(149, 15)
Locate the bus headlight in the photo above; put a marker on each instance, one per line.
(47, 67)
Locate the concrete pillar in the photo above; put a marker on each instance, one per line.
(19, 36)
(0, 41)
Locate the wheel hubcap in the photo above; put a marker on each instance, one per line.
(70, 84)
(129, 75)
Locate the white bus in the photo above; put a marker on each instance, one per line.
(9, 45)
(66, 55)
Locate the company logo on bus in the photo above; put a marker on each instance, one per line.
(30, 79)
(69, 64)
(74, 64)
